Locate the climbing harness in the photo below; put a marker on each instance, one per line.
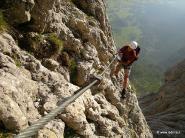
(33, 129)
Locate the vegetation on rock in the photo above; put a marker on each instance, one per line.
(70, 133)
(3, 23)
(57, 44)
(73, 70)
(5, 135)
(16, 60)
(42, 46)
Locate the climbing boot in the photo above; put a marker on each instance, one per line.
(123, 94)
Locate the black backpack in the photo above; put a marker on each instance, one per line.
(137, 50)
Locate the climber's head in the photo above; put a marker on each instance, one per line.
(133, 44)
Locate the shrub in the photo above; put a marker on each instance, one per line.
(16, 60)
(38, 38)
(34, 44)
(73, 70)
(31, 42)
(57, 44)
(3, 24)
(70, 133)
(5, 135)
(42, 46)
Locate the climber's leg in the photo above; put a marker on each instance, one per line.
(125, 80)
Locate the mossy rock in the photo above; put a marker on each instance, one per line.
(3, 23)
(70, 133)
(17, 62)
(32, 42)
(56, 44)
(73, 70)
(5, 133)
(42, 46)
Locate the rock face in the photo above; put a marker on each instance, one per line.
(165, 111)
(18, 11)
(39, 69)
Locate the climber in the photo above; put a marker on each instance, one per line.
(126, 56)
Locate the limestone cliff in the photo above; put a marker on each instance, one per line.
(48, 48)
(165, 110)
